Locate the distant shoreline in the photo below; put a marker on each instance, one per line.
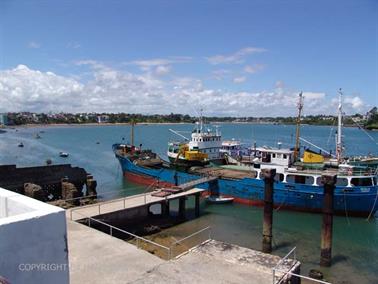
(47, 125)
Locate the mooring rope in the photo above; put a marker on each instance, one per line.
(372, 209)
(345, 208)
(282, 203)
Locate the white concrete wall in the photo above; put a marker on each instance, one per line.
(33, 240)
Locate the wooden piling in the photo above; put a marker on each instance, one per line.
(197, 205)
(182, 207)
(328, 182)
(268, 210)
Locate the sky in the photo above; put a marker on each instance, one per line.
(230, 58)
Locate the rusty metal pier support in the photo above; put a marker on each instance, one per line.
(328, 182)
(268, 210)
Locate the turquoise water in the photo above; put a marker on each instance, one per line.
(355, 252)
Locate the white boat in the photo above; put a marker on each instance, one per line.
(219, 199)
(203, 147)
(63, 154)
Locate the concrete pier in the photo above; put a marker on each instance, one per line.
(268, 210)
(96, 257)
(329, 182)
(137, 204)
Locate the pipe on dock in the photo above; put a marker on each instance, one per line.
(328, 182)
(268, 210)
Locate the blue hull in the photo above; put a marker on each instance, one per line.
(357, 201)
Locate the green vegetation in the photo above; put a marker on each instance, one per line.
(372, 119)
(369, 121)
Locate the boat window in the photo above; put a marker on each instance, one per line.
(361, 181)
(342, 182)
(273, 155)
(375, 180)
(309, 180)
(279, 177)
(297, 179)
(285, 156)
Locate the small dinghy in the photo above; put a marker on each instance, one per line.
(219, 199)
(63, 154)
(20, 144)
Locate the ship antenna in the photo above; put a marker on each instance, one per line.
(339, 146)
(201, 120)
(300, 107)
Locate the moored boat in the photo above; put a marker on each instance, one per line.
(297, 184)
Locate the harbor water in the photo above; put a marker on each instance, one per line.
(355, 242)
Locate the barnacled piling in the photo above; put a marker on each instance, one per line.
(329, 182)
(268, 210)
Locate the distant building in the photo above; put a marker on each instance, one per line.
(3, 119)
(102, 118)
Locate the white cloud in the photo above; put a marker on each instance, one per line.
(238, 80)
(73, 45)
(33, 44)
(252, 69)
(235, 58)
(220, 74)
(111, 90)
(355, 102)
(162, 70)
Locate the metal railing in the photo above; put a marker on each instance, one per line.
(110, 192)
(122, 199)
(281, 261)
(168, 252)
(205, 231)
(289, 272)
(113, 229)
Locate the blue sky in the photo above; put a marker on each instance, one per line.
(229, 57)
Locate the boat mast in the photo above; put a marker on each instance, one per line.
(132, 132)
(201, 121)
(339, 146)
(300, 107)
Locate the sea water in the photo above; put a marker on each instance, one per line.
(355, 240)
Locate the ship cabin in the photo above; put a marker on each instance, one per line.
(206, 142)
(232, 148)
(280, 157)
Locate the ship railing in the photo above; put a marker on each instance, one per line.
(285, 274)
(184, 245)
(339, 173)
